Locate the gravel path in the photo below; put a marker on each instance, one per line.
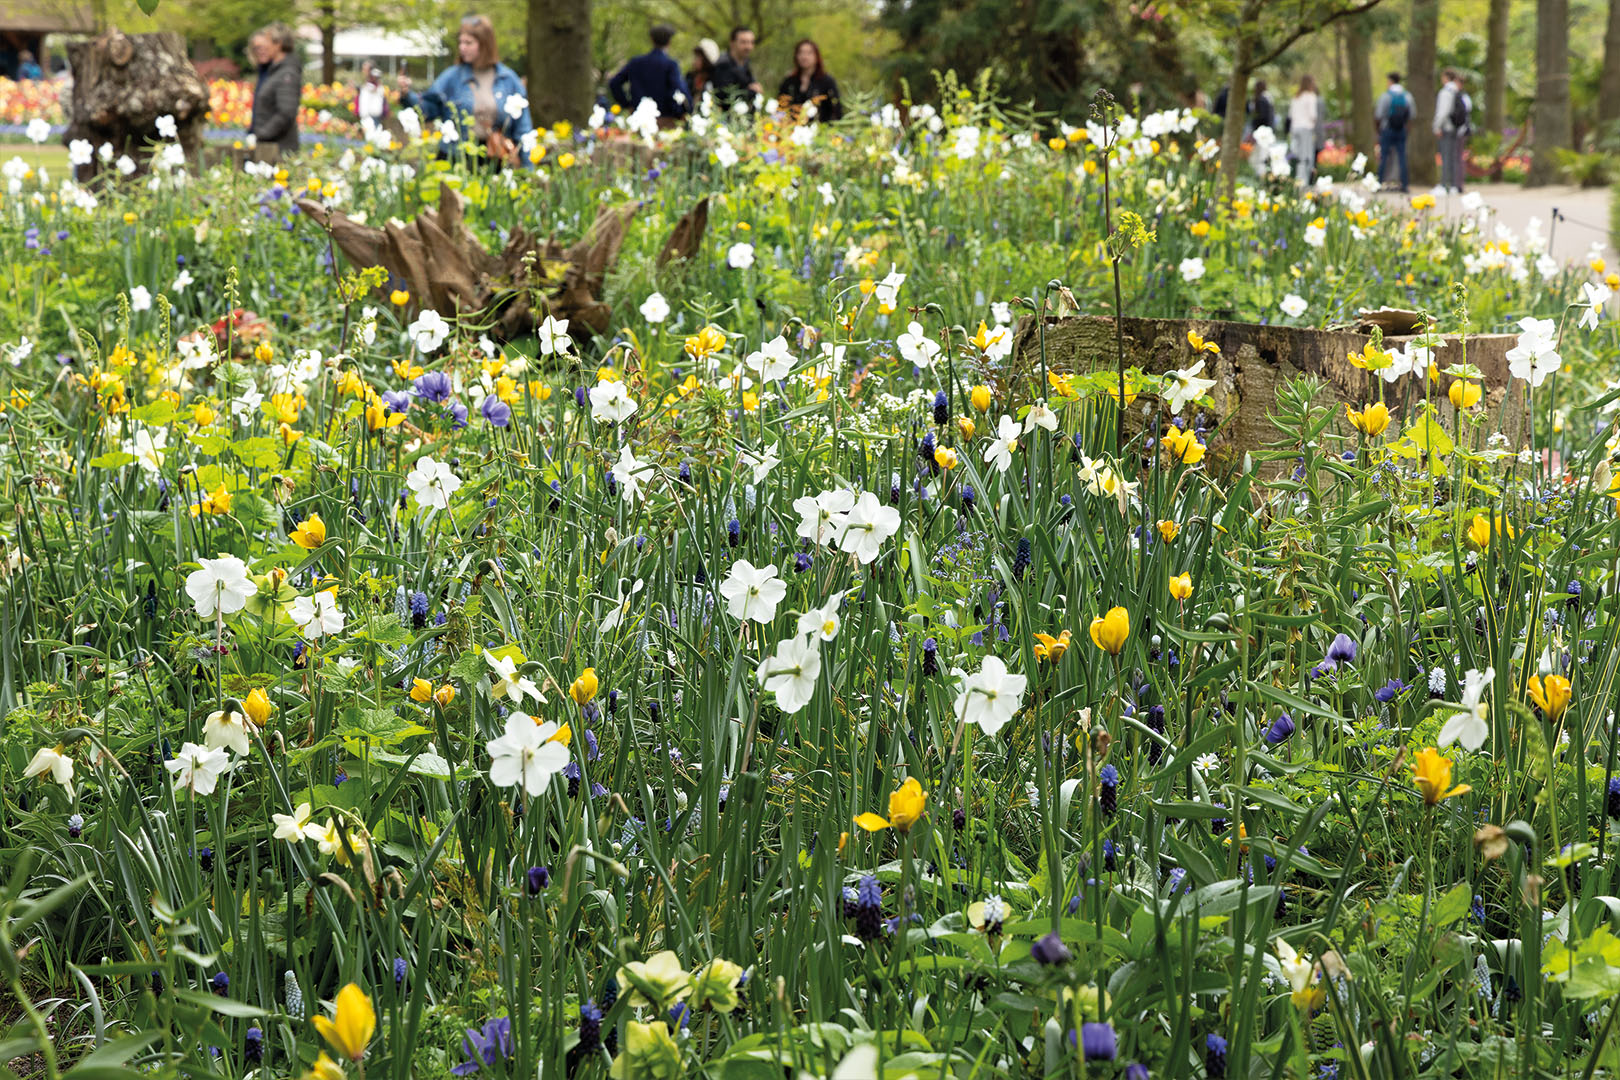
(1583, 215)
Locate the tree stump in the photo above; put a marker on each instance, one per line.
(122, 84)
(1255, 360)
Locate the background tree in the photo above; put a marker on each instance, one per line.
(1553, 124)
(1358, 57)
(1494, 93)
(1422, 82)
(562, 81)
(1609, 84)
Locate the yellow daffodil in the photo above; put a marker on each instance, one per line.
(1431, 773)
(311, 533)
(1551, 695)
(1169, 530)
(1051, 648)
(1199, 229)
(349, 383)
(351, 1029)
(1184, 445)
(1370, 358)
(380, 418)
(1108, 632)
(980, 396)
(1181, 586)
(1371, 420)
(257, 706)
(1196, 340)
(263, 353)
(407, 370)
(706, 342)
(1062, 385)
(1465, 394)
(584, 688)
(217, 501)
(906, 805)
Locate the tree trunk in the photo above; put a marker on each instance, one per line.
(1496, 49)
(1237, 93)
(1361, 94)
(1420, 82)
(1551, 115)
(561, 80)
(121, 85)
(328, 42)
(1609, 85)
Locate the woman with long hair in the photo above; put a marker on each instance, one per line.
(1304, 125)
(477, 96)
(810, 84)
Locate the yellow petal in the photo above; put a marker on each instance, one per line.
(871, 822)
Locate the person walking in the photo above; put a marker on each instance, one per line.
(481, 97)
(1304, 124)
(1452, 107)
(654, 74)
(1392, 114)
(27, 67)
(809, 84)
(733, 78)
(278, 93)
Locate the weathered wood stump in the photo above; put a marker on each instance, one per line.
(443, 265)
(1254, 360)
(122, 84)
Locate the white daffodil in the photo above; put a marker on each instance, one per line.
(611, 402)
(317, 616)
(197, 769)
(505, 682)
(51, 759)
(1470, 727)
(221, 586)
(528, 755)
(867, 525)
(990, 696)
(1000, 451)
(791, 674)
(752, 592)
(1186, 386)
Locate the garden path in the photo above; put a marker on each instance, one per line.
(1583, 215)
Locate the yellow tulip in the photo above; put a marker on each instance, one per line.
(354, 1025)
(324, 1069)
(1169, 530)
(1479, 531)
(1051, 648)
(1465, 395)
(444, 695)
(981, 397)
(421, 690)
(1196, 340)
(1431, 773)
(945, 458)
(257, 706)
(906, 805)
(706, 342)
(584, 688)
(311, 533)
(1108, 632)
(1181, 586)
(1371, 420)
(263, 353)
(1551, 695)
(966, 427)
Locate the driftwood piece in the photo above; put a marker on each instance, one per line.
(1254, 360)
(444, 266)
(122, 84)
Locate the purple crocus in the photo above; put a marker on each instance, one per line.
(1098, 1042)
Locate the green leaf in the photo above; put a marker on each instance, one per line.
(157, 413)
(114, 459)
(212, 445)
(147, 6)
(1452, 906)
(259, 452)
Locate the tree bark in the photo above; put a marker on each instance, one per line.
(1496, 49)
(1553, 125)
(1609, 84)
(1237, 93)
(561, 79)
(1420, 81)
(328, 42)
(1362, 137)
(122, 84)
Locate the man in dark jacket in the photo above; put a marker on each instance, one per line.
(654, 74)
(733, 79)
(279, 91)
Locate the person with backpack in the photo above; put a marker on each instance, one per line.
(1451, 113)
(1393, 114)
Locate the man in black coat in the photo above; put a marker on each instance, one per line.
(280, 90)
(733, 79)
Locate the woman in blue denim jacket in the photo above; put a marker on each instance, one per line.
(482, 95)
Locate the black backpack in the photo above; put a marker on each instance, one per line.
(1459, 112)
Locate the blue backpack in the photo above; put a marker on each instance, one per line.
(1400, 111)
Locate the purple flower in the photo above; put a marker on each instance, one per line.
(432, 386)
(397, 401)
(485, 1047)
(456, 413)
(1342, 650)
(1281, 728)
(496, 411)
(1050, 950)
(539, 878)
(1389, 691)
(1098, 1042)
